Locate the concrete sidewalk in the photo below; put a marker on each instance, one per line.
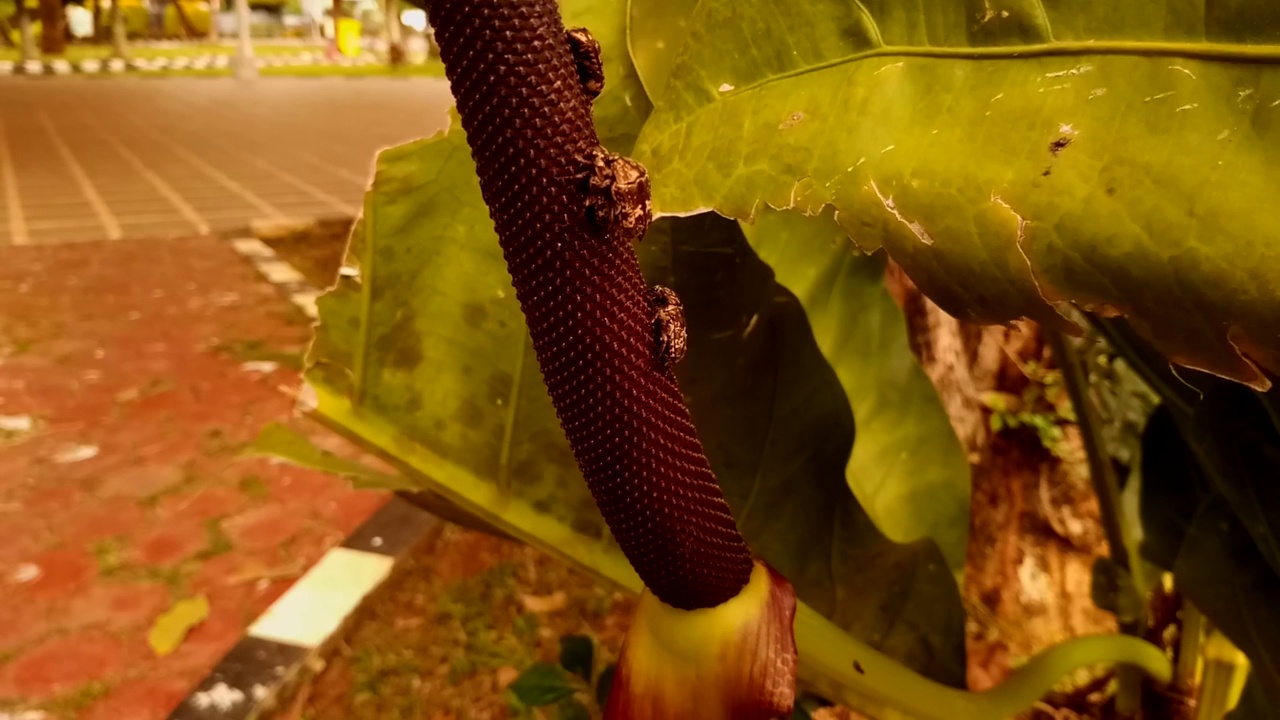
(84, 159)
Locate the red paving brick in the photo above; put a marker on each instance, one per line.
(140, 699)
(131, 353)
(63, 663)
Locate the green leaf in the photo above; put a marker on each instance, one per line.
(572, 710)
(171, 627)
(778, 430)
(907, 468)
(604, 683)
(1221, 570)
(1010, 155)
(1216, 557)
(656, 30)
(1239, 449)
(1253, 704)
(278, 440)
(621, 109)
(577, 655)
(542, 684)
(1172, 489)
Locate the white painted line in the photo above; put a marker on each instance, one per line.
(306, 301)
(162, 187)
(219, 177)
(33, 225)
(252, 247)
(279, 272)
(87, 189)
(307, 187)
(311, 611)
(335, 169)
(12, 201)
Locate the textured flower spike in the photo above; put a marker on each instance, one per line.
(735, 661)
(713, 637)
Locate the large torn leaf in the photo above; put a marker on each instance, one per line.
(442, 375)
(777, 428)
(282, 441)
(656, 30)
(907, 467)
(421, 354)
(1010, 155)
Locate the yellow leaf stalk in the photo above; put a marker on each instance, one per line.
(734, 661)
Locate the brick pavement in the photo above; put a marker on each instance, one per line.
(144, 367)
(85, 159)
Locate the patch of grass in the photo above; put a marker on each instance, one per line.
(76, 53)
(525, 626)
(254, 487)
(112, 565)
(109, 555)
(189, 480)
(217, 544)
(468, 605)
(72, 703)
(432, 69)
(371, 668)
(429, 69)
(255, 350)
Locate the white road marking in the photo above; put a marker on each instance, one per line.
(218, 176)
(12, 201)
(162, 187)
(108, 221)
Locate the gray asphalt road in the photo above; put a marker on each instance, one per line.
(92, 159)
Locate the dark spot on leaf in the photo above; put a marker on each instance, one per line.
(401, 345)
(500, 386)
(1058, 145)
(857, 666)
(1047, 171)
(1111, 191)
(470, 416)
(474, 314)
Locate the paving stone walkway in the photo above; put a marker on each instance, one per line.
(132, 374)
(86, 159)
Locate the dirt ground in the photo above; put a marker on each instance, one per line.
(464, 616)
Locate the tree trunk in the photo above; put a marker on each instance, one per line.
(188, 30)
(98, 35)
(1035, 527)
(53, 26)
(394, 33)
(27, 39)
(119, 34)
(246, 66)
(215, 9)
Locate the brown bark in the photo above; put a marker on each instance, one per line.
(5, 30)
(188, 30)
(53, 25)
(1035, 528)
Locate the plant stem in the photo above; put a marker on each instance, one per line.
(1189, 642)
(1107, 488)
